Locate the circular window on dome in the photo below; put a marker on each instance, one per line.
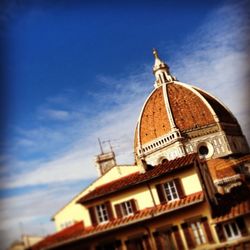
(162, 160)
(205, 149)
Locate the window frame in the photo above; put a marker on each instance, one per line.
(234, 236)
(198, 233)
(170, 190)
(126, 208)
(103, 216)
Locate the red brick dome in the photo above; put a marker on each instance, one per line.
(178, 119)
(176, 105)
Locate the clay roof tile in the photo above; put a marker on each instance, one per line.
(137, 178)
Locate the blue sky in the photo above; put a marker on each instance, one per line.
(76, 72)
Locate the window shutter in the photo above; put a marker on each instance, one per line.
(207, 230)
(242, 226)
(93, 216)
(158, 241)
(118, 245)
(161, 193)
(110, 211)
(118, 210)
(129, 245)
(134, 205)
(188, 236)
(146, 242)
(179, 188)
(220, 232)
(178, 238)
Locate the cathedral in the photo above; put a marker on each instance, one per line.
(188, 188)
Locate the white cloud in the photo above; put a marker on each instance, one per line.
(213, 59)
(60, 115)
(216, 59)
(30, 213)
(116, 124)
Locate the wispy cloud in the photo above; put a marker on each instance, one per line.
(53, 114)
(213, 58)
(116, 123)
(216, 59)
(32, 211)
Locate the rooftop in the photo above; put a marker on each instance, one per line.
(237, 210)
(137, 178)
(221, 168)
(78, 231)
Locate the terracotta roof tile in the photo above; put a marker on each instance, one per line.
(137, 177)
(154, 121)
(221, 112)
(78, 230)
(67, 233)
(221, 168)
(236, 211)
(189, 108)
(186, 108)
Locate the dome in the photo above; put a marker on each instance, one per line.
(179, 118)
(191, 109)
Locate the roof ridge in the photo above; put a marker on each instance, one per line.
(137, 178)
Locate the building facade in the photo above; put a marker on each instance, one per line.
(189, 188)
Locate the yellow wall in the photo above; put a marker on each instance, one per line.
(73, 212)
(189, 180)
(176, 218)
(142, 194)
(76, 212)
(191, 183)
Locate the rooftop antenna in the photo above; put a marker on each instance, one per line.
(110, 146)
(100, 144)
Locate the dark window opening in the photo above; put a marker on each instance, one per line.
(164, 77)
(203, 150)
(135, 244)
(164, 160)
(164, 240)
(109, 246)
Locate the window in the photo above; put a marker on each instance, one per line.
(170, 191)
(231, 230)
(168, 238)
(203, 150)
(102, 213)
(138, 243)
(126, 208)
(198, 233)
(109, 245)
(162, 160)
